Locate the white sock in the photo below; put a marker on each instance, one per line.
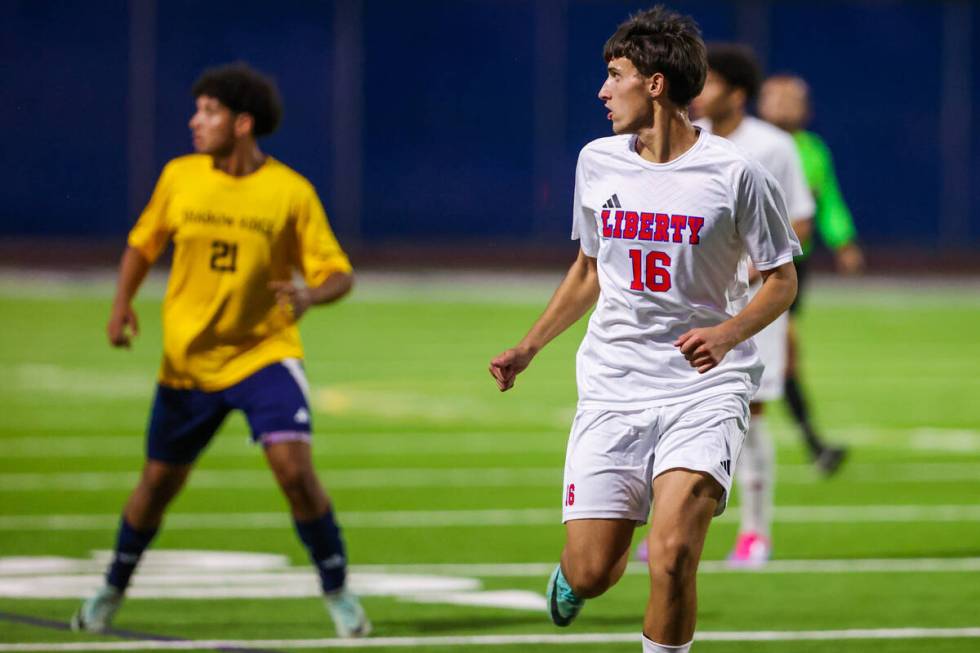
(650, 646)
(755, 474)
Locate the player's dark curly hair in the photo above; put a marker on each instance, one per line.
(659, 40)
(738, 66)
(243, 89)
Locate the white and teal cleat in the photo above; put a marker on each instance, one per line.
(563, 605)
(348, 616)
(95, 615)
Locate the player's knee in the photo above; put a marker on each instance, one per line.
(161, 481)
(589, 577)
(672, 557)
(297, 483)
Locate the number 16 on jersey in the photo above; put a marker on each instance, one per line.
(656, 276)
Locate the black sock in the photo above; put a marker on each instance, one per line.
(326, 547)
(130, 545)
(797, 406)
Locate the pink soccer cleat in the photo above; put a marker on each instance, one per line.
(751, 550)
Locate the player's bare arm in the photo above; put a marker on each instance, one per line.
(576, 294)
(705, 347)
(803, 228)
(300, 298)
(123, 323)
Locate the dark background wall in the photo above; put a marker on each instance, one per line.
(458, 121)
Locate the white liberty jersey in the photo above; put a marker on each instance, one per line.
(776, 151)
(670, 239)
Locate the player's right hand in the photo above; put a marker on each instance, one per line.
(850, 259)
(505, 367)
(123, 327)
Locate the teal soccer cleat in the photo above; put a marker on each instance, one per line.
(95, 615)
(348, 616)
(563, 605)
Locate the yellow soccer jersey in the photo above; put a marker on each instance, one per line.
(232, 236)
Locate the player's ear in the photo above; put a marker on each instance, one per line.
(244, 124)
(657, 85)
(740, 97)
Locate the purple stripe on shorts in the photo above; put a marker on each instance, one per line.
(275, 437)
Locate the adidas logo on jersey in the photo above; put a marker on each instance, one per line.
(302, 416)
(612, 203)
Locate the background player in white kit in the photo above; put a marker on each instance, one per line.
(664, 213)
(733, 82)
(784, 101)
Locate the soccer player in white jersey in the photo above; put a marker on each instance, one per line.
(732, 83)
(664, 214)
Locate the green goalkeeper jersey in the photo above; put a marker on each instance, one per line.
(832, 219)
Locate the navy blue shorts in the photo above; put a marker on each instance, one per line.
(273, 399)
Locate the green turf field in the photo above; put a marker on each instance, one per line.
(450, 491)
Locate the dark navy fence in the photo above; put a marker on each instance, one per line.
(447, 121)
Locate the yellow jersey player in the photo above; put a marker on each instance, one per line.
(241, 224)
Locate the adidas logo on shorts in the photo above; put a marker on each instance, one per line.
(302, 416)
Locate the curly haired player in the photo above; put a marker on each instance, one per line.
(241, 223)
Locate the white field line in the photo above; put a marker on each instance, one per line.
(326, 445)
(251, 479)
(505, 640)
(175, 567)
(483, 518)
(495, 287)
(330, 445)
(843, 566)
(868, 473)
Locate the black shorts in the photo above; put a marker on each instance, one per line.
(801, 270)
(273, 399)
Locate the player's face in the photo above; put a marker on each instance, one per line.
(717, 99)
(626, 94)
(784, 103)
(212, 126)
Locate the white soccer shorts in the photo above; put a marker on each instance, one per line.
(613, 456)
(771, 343)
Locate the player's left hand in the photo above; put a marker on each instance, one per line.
(294, 298)
(704, 347)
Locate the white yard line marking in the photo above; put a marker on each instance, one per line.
(78, 381)
(242, 479)
(549, 440)
(198, 564)
(880, 514)
(505, 640)
(844, 566)
(344, 478)
(265, 520)
(326, 445)
(484, 518)
(175, 574)
(499, 287)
